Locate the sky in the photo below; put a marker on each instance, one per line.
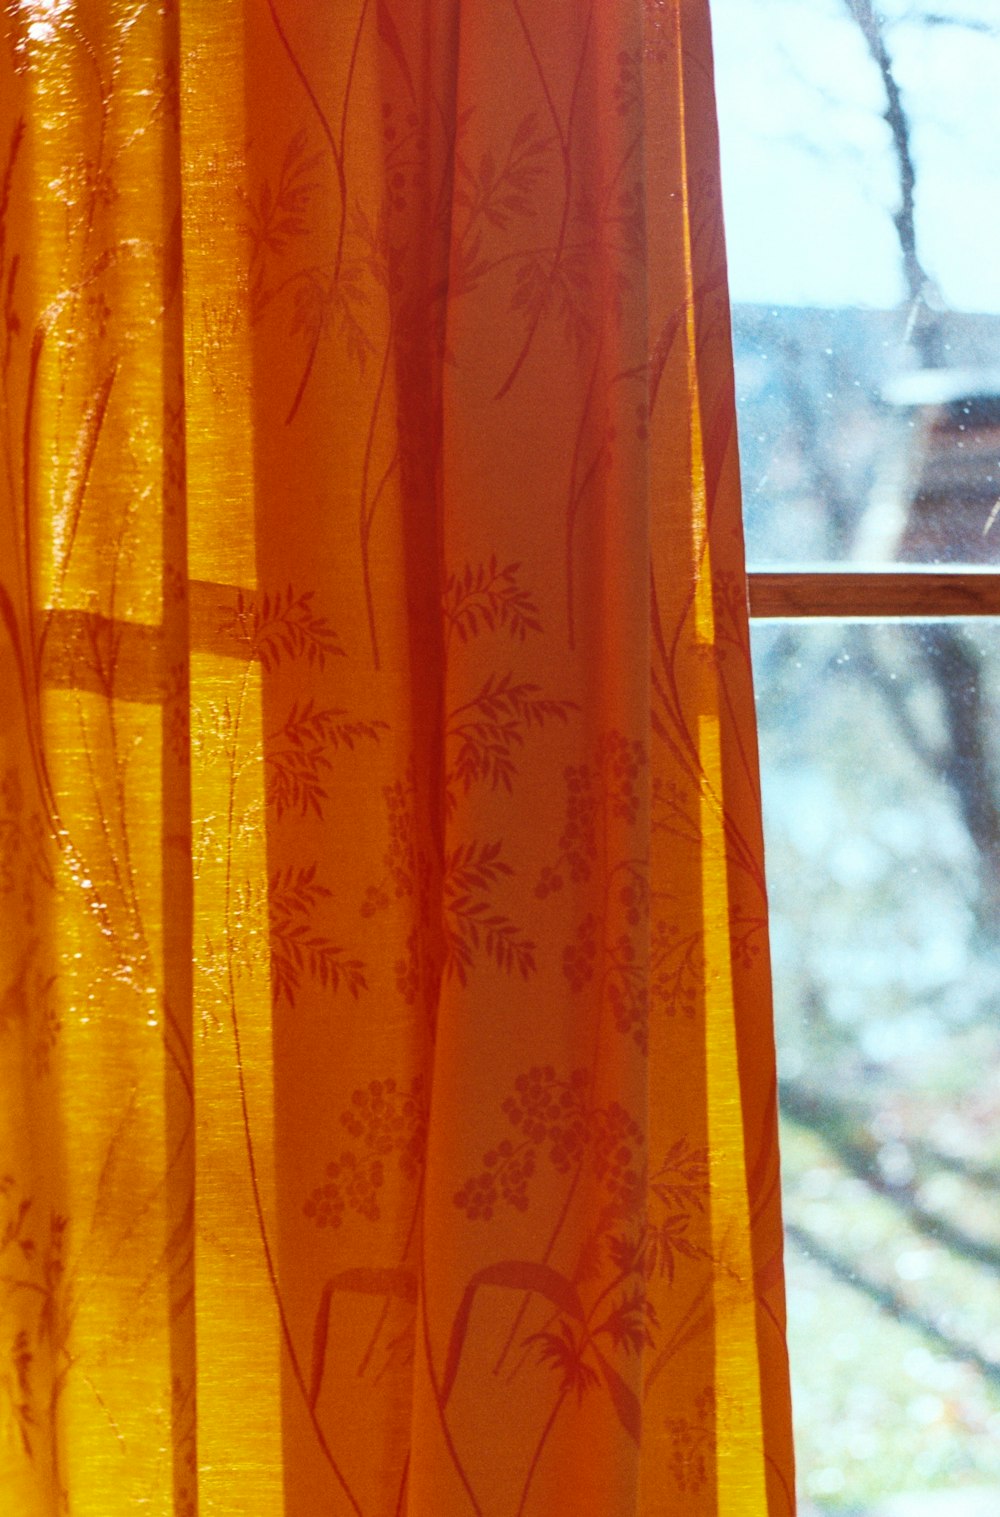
(807, 162)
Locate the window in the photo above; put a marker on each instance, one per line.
(863, 138)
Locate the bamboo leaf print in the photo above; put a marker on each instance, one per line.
(626, 1402)
(363, 1281)
(281, 625)
(489, 596)
(564, 1350)
(297, 948)
(510, 1274)
(298, 754)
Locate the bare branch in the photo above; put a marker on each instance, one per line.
(926, 332)
(890, 1301)
(965, 23)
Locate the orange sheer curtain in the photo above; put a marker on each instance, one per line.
(387, 1116)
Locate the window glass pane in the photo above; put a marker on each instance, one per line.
(861, 154)
(881, 773)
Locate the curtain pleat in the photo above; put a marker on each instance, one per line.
(387, 1095)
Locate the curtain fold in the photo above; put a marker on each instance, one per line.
(387, 1097)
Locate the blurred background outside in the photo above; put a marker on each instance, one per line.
(861, 179)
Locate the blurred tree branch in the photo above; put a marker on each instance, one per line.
(964, 23)
(926, 327)
(889, 1300)
(856, 1150)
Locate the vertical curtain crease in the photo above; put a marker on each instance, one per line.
(387, 1095)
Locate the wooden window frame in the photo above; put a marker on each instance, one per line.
(882, 594)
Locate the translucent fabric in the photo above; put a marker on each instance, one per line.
(387, 1117)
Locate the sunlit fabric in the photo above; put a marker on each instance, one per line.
(387, 1118)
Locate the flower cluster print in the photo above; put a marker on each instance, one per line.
(386, 1121)
(554, 1118)
(692, 1444)
(650, 1226)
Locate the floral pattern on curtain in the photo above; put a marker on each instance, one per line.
(387, 1103)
